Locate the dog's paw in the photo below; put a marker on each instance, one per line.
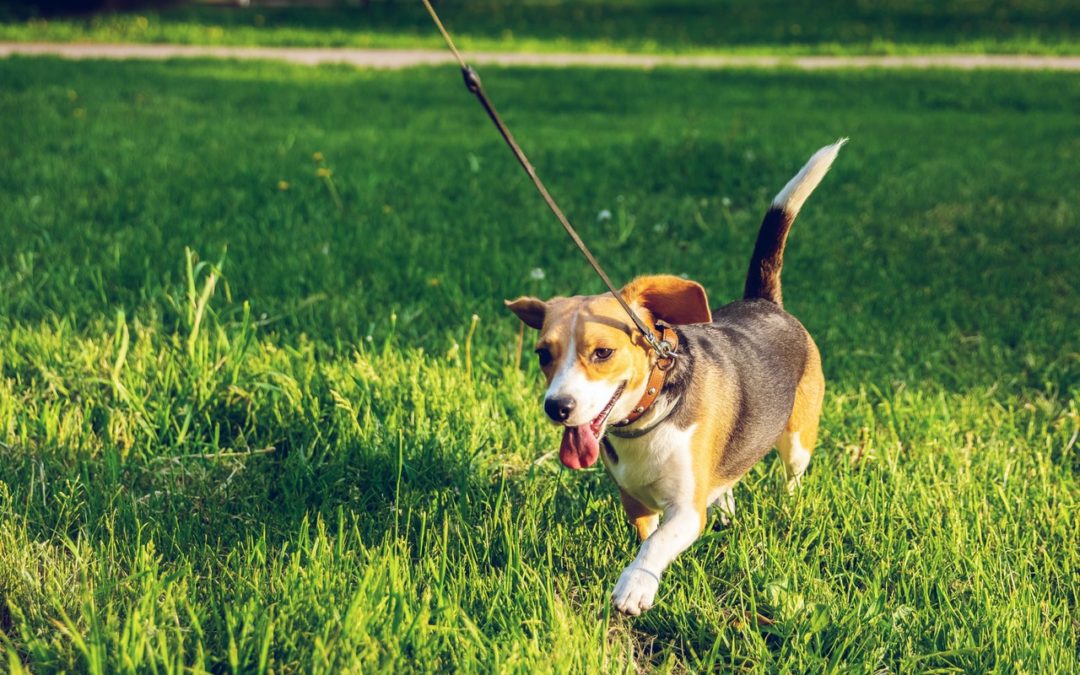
(635, 591)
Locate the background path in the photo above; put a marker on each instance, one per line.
(405, 58)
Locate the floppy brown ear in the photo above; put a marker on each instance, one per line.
(530, 310)
(670, 298)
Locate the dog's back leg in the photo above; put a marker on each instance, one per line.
(722, 501)
(796, 443)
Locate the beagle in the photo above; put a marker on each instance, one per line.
(678, 433)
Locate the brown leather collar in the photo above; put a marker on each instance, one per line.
(656, 376)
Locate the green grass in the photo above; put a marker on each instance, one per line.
(308, 457)
(651, 26)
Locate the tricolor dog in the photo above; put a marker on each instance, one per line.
(678, 433)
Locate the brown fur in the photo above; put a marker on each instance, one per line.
(809, 395)
(641, 517)
(600, 321)
(711, 440)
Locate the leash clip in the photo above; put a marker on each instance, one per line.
(665, 351)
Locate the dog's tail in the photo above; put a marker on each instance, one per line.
(763, 278)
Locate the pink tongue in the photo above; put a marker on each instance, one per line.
(580, 447)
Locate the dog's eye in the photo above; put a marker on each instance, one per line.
(602, 353)
(544, 356)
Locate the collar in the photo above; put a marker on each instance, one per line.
(656, 376)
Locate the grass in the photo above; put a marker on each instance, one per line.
(248, 423)
(650, 26)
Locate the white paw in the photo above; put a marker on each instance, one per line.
(635, 591)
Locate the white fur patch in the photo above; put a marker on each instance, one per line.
(657, 468)
(795, 193)
(796, 457)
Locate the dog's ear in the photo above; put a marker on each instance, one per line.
(670, 299)
(530, 310)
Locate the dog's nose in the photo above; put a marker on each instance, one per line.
(559, 408)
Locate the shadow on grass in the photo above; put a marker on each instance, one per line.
(182, 502)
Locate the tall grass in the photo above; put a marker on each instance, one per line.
(243, 428)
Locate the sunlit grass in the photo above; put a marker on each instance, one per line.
(649, 26)
(250, 423)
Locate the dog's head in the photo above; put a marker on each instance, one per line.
(595, 360)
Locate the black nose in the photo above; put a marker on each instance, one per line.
(559, 408)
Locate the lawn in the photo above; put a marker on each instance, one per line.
(261, 407)
(651, 26)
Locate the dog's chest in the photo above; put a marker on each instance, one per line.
(657, 468)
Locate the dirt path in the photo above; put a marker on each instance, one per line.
(405, 58)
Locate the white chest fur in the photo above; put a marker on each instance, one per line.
(657, 468)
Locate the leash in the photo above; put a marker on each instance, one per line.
(663, 348)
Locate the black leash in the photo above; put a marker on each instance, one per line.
(472, 83)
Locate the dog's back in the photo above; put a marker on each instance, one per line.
(762, 351)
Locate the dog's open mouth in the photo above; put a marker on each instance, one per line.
(581, 444)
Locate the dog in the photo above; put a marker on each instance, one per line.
(678, 432)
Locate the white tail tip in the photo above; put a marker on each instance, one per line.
(794, 194)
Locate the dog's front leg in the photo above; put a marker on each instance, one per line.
(638, 583)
